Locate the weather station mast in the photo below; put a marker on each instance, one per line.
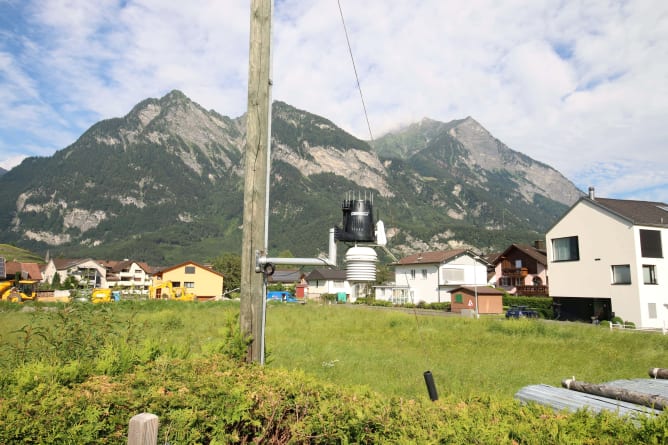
(358, 228)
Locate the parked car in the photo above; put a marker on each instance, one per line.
(520, 312)
(284, 296)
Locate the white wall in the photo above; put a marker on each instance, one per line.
(656, 294)
(606, 240)
(431, 287)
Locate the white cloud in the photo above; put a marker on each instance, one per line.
(581, 86)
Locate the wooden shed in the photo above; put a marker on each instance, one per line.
(490, 299)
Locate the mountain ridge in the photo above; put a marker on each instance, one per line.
(164, 182)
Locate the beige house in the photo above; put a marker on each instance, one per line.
(200, 280)
(606, 259)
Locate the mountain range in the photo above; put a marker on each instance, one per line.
(164, 184)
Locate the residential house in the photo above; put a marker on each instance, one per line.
(521, 269)
(200, 280)
(129, 276)
(328, 281)
(88, 272)
(27, 271)
(431, 276)
(606, 258)
(286, 277)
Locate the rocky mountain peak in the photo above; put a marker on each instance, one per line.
(167, 180)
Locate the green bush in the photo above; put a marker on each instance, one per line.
(216, 400)
(329, 298)
(439, 306)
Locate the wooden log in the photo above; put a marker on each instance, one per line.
(658, 373)
(616, 393)
(143, 429)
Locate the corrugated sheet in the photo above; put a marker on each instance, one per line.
(657, 387)
(565, 399)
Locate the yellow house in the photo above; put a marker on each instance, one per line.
(194, 278)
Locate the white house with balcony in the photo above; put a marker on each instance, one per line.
(87, 272)
(606, 258)
(130, 276)
(431, 276)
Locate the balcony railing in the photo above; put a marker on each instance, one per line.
(532, 291)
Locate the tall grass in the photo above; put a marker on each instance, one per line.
(383, 349)
(388, 351)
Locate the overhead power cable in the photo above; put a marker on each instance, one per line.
(359, 86)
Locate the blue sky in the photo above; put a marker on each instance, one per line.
(579, 85)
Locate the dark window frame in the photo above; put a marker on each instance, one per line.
(652, 274)
(650, 243)
(616, 276)
(573, 248)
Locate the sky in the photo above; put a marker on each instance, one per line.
(579, 85)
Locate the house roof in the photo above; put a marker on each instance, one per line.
(326, 274)
(482, 290)
(286, 276)
(66, 263)
(437, 257)
(167, 269)
(539, 255)
(644, 213)
(27, 270)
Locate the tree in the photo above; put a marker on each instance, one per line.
(70, 282)
(384, 274)
(229, 264)
(55, 281)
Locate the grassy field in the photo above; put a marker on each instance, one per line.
(384, 350)
(388, 350)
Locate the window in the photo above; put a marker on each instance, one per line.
(424, 274)
(650, 244)
(518, 264)
(459, 298)
(648, 274)
(453, 275)
(651, 308)
(413, 274)
(189, 284)
(565, 249)
(190, 270)
(621, 274)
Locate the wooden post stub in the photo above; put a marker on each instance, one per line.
(659, 373)
(143, 430)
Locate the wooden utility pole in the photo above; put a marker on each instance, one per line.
(256, 167)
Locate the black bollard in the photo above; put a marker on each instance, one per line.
(431, 387)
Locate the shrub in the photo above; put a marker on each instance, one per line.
(439, 306)
(382, 303)
(328, 297)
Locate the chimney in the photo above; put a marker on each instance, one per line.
(591, 193)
